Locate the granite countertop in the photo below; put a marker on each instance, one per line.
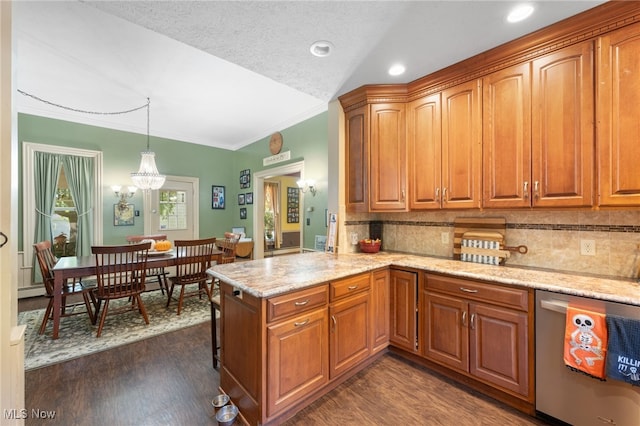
(275, 275)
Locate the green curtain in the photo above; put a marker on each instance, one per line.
(81, 179)
(47, 172)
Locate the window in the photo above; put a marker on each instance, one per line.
(30, 212)
(173, 209)
(64, 220)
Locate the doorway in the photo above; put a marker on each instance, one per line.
(293, 169)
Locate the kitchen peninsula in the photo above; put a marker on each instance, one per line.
(295, 327)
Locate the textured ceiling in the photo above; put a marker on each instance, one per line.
(227, 73)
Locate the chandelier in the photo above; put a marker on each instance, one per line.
(147, 176)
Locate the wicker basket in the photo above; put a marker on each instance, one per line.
(372, 247)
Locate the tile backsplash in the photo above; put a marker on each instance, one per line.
(553, 237)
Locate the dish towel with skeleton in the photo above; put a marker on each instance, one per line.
(623, 358)
(585, 342)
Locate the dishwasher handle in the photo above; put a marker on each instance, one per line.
(554, 305)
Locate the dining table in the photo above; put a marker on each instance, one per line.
(73, 267)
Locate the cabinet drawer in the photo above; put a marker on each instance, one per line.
(299, 301)
(351, 285)
(511, 297)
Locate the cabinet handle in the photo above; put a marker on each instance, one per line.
(468, 290)
(444, 194)
(353, 287)
(300, 324)
(526, 190)
(471, 322)
(403, 194)
(464, 318)
(335, 323)
(301, 303)
(438, 194)
(535, 190)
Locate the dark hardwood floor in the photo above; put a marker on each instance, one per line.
(169, 380)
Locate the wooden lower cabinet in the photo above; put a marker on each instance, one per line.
(380, 307)
(481, 330)
(297, 359)
(281, 353)
(404, 301)
(349, 330)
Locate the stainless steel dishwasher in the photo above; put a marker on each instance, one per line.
(573, 397)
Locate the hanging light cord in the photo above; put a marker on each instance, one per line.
(148, 108)
(22, 92)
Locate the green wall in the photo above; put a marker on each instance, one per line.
(213, 166)
(307, 141)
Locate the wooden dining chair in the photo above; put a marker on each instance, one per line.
(193, 258)
(159, 273)
(228, 248)
(121, 273)
(46, 261)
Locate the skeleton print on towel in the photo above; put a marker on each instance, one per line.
(586, 341)
(584, 338)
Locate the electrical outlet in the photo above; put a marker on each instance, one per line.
(354, 238)
(587, 247)
(444, 237)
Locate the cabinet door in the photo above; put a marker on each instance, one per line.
(403, 309)
(349, 329)
(380, 310)
(357, 160)
(619, 117)
(388, 173)
(506, 137)
(297, 357)
(446, 332)
(462, 145)
(499, 347)
(562, 127)
(424, 142)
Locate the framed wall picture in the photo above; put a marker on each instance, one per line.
(123, 217)
(241, 199)
(248, 197)
(243, 213)
(217, 197)
(293, 205)
(245, 178)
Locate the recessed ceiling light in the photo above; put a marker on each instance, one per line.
(520, 13)
(321, 48)
(396, 69)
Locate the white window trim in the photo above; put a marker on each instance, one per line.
(28, 187)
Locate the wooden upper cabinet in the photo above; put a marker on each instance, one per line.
(462, 145)
(424, 144)
(506, 137)
(619, 117)
(357, 160)
(563, 127)
(388, 158)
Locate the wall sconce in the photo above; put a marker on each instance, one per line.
(122, 203)
(307, 185)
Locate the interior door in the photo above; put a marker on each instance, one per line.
(172, 209)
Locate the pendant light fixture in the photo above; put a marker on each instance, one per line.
(147, 176)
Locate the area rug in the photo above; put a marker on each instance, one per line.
(77, 336)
